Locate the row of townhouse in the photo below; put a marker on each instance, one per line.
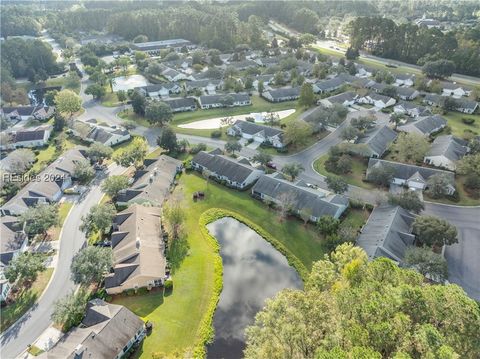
(23, 113)
(90, 131)
(257, 133)
(240, 174)
(25, 137)
(350, 98)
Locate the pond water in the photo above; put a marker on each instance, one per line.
(253, 270)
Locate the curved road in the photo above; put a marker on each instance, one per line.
(26, 330)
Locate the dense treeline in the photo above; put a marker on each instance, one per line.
(417, 45)
(18, 21)
(28, 58)
(214, 26)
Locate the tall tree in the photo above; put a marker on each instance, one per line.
(68, 102)
(427, 262)
(307, 97)
(69, 310)
(133, 154)
(98, 219)
(391, 309)
(336, 184)
(112, 185)
(91, 264)
(292, 170)
(39, 219)
(25, 268)
(158, 113)
(297, 132)
(408, 200)
(168, 140)
(432, 231)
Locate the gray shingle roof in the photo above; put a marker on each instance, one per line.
(387, 233)
(223, 166)
(405, 91)
(12, 236)
(176, 103)
(449, 146)
(105, 330)
(215, 99)
(426, 125)
(302, 197)
(284, 92)
(378, 139)
(342, 97)
(405, 171)
(251, 128)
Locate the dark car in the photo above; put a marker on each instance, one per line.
(271, 165)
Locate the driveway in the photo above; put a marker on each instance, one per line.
(26, 330)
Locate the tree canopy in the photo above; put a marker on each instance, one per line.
(352, 308)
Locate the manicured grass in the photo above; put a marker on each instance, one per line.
(354, 177)
(464, 198)
(60, 81)
(35, 351)
(176, 317)
(25, 299)
(457, 126)
(110, 99)
(128, 114)
(44, 157)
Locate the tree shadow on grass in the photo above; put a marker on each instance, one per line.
(177, 250)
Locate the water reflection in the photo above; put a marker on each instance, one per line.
(253, 270)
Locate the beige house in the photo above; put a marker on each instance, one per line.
(138, 250)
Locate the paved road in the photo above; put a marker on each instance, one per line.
(31, 326)
(464, 257)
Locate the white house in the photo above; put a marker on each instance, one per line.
(454, 90)
(227, 100)
(257, 133)
(346, 99)
(160, 91)
(404, 80)
(282, 94)
(446, 151)
(27, 112)
(377, 100)
(29, 138)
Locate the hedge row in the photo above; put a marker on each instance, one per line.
(206, 331)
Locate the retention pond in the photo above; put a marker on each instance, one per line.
(253, 270)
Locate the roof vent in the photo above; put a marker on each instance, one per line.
(137, 243)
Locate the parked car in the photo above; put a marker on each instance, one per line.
(311, 185)
(271, 165)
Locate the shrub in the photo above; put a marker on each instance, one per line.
(282, 149)
(216, 134)
(108, 298)
(356, 204)
(250, 119)
(250, 140)
(369, 207)
(129, 292)
(168, 284)
(468, 121)
(198, 147)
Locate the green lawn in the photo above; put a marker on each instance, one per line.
(176, 317)
(110, 99)
(458, 128)
(131, 116)
(24, 300)
(464, 198)
(354, 177)
(60, 81)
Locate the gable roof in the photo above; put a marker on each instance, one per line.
(12, 236)
(405, 171)
(106, 329)
(301, 197)
(27, 135)
(137, 246)
(449, 146)
(387, 233)
(216, 99)
(284, 92)
(425, 126)
(176, 103)
(251, 128)
(378, 139)
(235, 171)
(405, 91)
(342, 97)
(152, 183)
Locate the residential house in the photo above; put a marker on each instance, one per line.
(454, 90)
(153, 183)
(425, 126)
(387, 233)
(14, 239)
(242, 65)
(330, 85)
(378, 87)
(40, 113)
(377, 100)
(181, 104)
(154, 47)
(182, 63)
(346, 99)
(428, 23)
(268, 61)
(407, 93)
(404, 80)
(434, 100)
(160, 91)
(109, 136)
(26, 137)
(364, 71)
(413, 177)
(282, 94)
(411, 109)
(446, 151)
(466, 106)
(257, 133)
(267, 80)
(48, 186)
(375, 142)
(227, 100)
(173, 75)
(107, 331)
(238, 174)
(300, 198)
(207, 86)
(138, 250)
